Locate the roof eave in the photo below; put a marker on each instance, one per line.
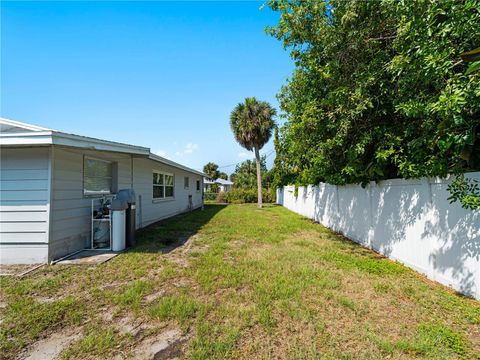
(174, 164)
(26, 139)
(97, 144)
(63, 139)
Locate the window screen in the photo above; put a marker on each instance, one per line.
(97, 176)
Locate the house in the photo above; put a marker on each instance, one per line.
(218, 185)
(49, 178)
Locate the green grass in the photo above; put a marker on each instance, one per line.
(179, 307)
(250, 284)
(98, 341)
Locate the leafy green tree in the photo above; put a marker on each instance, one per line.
(379, 90)
(245, 174)
(252, 124)
(211, 170)
(222, 175)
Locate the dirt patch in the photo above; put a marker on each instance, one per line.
(106, 314)
(17, 270)
(129, 326)
(167, 345)
(51, 347)
(155, 295)
(184, 245)
(47, 300)
(112, 286)
(187, 242)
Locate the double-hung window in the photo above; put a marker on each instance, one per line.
(186, 182)
(97, 176)
(163, 185)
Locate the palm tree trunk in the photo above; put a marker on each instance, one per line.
(259, 177)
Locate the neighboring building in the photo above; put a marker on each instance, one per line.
(217, 185)
(48, 179)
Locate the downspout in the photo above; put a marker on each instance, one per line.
(50, 198)
(131, 171)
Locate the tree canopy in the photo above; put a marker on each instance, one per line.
(245, 174)
(379, 90)
(252, 125)
(211, 170)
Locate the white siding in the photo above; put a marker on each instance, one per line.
(150, 210)
(24, 203)
(70, 230)
(23, 254)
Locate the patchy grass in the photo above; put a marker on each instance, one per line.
(98, 342)
(248, 284)
(179, 307)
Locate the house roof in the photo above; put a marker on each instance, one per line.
(208, 180)
(223, 182)
(15, 133)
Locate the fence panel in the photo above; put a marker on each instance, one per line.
(407, 220)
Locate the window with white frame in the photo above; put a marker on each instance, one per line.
(186, 182)
(163, 185)
(198, 185)
(97, 176)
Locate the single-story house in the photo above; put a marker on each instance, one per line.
(48, 179)
(220, 185)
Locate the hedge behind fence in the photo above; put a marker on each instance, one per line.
(240, 196)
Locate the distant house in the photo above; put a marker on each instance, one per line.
(218, 185)
(49, 178)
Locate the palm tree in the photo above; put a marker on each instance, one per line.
(252, 124)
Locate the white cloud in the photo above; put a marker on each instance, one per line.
(161, 153)
(243, 155)
(188, 149)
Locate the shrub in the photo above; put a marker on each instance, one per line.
(210, 196)
(249, 195)
(221, 197)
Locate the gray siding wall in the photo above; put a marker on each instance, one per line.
(150, 210)
(70, 230)
(24, 204)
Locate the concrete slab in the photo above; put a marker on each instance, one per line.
(89, 257)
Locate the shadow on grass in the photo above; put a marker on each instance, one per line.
(167, 235)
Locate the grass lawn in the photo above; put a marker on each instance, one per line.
(247, 284)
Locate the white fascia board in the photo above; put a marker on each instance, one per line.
(23, 125)
(76, 141)
(26, 139)
(173, 163)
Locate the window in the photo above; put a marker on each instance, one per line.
(186, 182)
(163, 185)
(198, 185)
(97, 176)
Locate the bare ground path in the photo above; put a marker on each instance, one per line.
(236, 282)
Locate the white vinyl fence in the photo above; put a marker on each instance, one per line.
(407, 220)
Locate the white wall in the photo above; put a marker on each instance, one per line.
(70, 230)
(407, 220)
(150, 210)
(24, 204)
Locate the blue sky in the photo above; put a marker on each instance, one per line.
(159, 74)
